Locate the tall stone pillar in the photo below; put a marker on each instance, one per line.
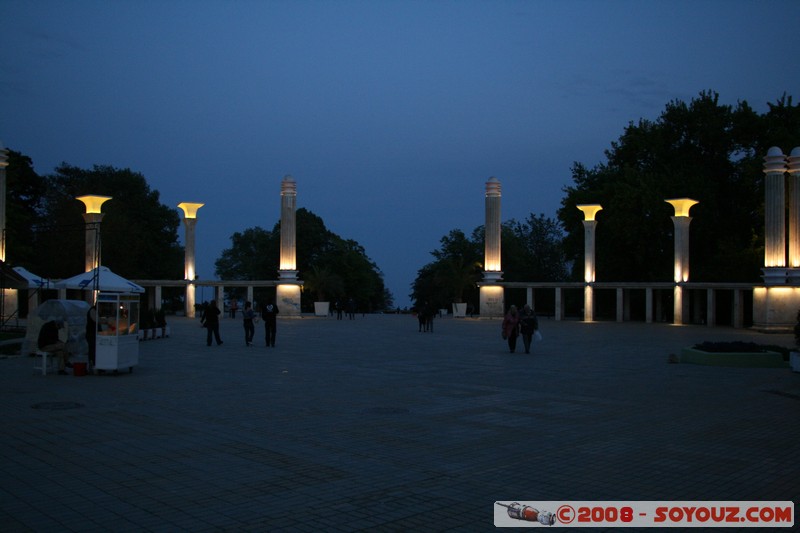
(681, 221)
(491, 293)
(775, 304)
(774, 212)
(189, 265)
(92, 217)
(3, 165)
(288, 289)
(794, 212)
(589, 228)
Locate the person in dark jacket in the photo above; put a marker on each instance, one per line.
(528, 324)
(210, 321)
(511, 328)
(269, 314)
(249, 326)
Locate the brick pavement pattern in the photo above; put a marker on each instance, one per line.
(368, 424)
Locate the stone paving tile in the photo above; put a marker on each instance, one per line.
(370, 425)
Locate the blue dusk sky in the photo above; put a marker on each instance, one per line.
(390, 115)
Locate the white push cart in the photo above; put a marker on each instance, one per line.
(117, 332)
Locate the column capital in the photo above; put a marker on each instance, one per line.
(794, 162)
(190, 209)
(774, 161)
(589, 210)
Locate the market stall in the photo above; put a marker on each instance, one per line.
(117, 301)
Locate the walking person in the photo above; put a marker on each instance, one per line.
(269, 314)
(511, 328)
(210, 321)
(249, 323)
(528, 324)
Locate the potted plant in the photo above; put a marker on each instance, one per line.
(323, 282)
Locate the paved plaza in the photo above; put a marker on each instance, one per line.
(368, 424)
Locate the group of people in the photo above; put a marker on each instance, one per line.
(515, 324)
(349, 307)
(269, 314)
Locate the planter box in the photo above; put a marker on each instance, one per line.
(321, 308)
(737, 359)
(460, 310)
(794, 361)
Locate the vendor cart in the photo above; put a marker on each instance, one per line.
(117, 331)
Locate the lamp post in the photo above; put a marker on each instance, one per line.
(92, 217)
(491, 293)
(3, 165)
(288, 289)
(189, 271)
(589, 226)
(681, 220)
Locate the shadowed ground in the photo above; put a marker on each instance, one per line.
(368, 424)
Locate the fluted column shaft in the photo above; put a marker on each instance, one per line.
(794, 208)
(92, 246)
(492, 246)
(774, 209)
(288, 252)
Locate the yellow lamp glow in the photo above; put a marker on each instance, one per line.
(590, 210)
(190, 209)
(93, 203)
(682, 206)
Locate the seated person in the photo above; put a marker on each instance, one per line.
(50, 343)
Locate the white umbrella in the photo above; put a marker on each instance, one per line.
(107, 282)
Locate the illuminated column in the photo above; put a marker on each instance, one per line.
(3, 165)
(92, 217)
(288, 289)
(189, 268)
(681, 220)
(491, 292)
(774, 217)
(589, 227)
(794, 211)
(775, 304)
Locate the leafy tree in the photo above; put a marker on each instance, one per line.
(702, 150)
(531, 251)
(135, 229)
(253, 255)
(25, 191)
(329, 265)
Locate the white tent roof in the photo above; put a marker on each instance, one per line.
(34, 281)
(107, 282)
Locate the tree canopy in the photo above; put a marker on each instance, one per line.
(46, 231)
(530, 250)
(702, 150)
(331, 267)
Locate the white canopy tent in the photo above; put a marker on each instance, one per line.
(106, 281)
(34, 281)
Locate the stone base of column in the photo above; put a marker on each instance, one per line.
(492, 301)
(775, 308)
(190, 300)
(588, 303)
(775, 276)
(288, 299)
